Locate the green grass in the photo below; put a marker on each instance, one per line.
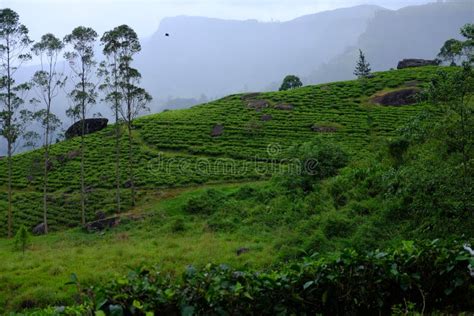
(37, 277)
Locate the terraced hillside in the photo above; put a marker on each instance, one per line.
(232, 139)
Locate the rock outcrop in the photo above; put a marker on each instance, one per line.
(284, 107)
(323, 129)
(217, 130)
(257, 104)
(266, 117)
(102, 224)
(92, 125)
(398, 97)
(407, 63)
(39, 229)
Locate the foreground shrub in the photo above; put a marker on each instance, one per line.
(426, 276)
(22, 238)
(205, 203)
(317, 160)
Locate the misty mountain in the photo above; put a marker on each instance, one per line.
(411, 32)
(216, 57)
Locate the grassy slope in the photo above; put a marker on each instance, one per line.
(181, 140)
(37, 277)
(175, 149)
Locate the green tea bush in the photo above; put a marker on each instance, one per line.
(429, 276)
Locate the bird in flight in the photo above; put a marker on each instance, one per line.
(167, 34)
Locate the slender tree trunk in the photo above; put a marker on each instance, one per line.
(10, 195)
(46, 165)
(465, 157)
(83, 190)
(130, 162)
(9, 144)
(45, 183)
(117, 156)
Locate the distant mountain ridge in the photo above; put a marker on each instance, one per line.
(218, 57)
(411, 32)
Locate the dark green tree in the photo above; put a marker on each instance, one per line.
(454, 50)
(453, 92)
(47, 83)
(468, 45)
(83, 94)
(14, 43)
(451, 51)
(22, 239)
(291, 82)
(362, 69)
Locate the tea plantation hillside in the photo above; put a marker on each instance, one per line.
(237, 138)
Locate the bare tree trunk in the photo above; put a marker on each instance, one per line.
(130, 162)
(10, 195)
(83, 190)
(45, 185)
(117, 157)
(9, 141)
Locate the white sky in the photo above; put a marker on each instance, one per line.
(61, 16)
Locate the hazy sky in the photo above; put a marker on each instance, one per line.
(61, 16)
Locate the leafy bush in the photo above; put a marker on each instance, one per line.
(206, 203)
(428, 276)
(22, 238)
(317, 160)
(178, 225)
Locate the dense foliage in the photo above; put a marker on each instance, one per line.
(421, 277)
(290, 82)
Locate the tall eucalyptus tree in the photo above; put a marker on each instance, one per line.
(47, 82)
(14, 44)
(129, 100)
(83, 66)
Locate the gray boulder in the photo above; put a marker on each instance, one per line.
(39, 229)
(102, 224)
(92, 125)
(408, 63)
(284, 107)
(405, 96)
(217, 130)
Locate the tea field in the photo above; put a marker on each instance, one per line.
(177, 148)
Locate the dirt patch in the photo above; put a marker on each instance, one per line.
(217, 130)
(284, 107)
(397, 98)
